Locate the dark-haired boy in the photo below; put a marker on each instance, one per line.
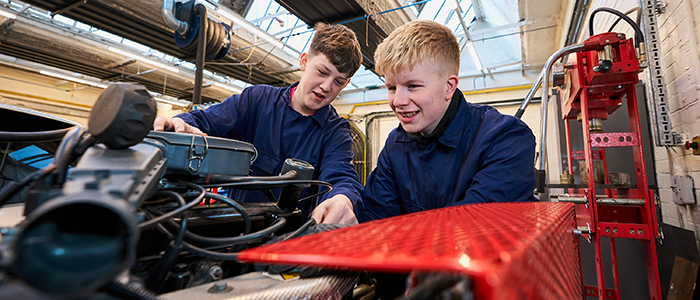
(294, 122)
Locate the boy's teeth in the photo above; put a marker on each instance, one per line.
(408, 115)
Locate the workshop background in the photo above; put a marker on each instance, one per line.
(57, 56)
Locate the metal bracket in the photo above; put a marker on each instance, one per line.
(660, 6)
(660, 113)
(193, 155)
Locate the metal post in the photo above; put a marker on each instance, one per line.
(201, 11)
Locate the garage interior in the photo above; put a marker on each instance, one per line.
(58, 56)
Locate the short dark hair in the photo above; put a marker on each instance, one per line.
(340, 46)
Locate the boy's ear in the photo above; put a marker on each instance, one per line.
(302, 61)
(452, 82)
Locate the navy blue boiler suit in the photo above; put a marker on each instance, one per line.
(483, 156)
(263, 115)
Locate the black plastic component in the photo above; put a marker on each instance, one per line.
(162, 268)
(605, 66)
(122, 115)
(519, 113)
(289, 197)
(183, 11)
(540, 180)
(88, 230)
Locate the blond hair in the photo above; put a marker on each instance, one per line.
(339, 44)
(415, 42)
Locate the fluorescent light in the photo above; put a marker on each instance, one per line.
(475, 56)
(74, 79)
(171, 102)
(251, 28)
(228, 87)
(143, 59)
(7, 14)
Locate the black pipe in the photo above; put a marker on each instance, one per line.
(38, 136)
(201, 11)
(638, 36)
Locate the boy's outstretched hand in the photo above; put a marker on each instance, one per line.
(335, 210)
(175, 124)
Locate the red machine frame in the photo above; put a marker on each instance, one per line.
(596, 93)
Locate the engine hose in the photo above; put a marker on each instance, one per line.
(431, 287)
(202, 192)
(301, 229)
(128, 292)
(51, 135)
(276, 225)
(242, 239)
(65, 153)
(232, 203)
(638, 36)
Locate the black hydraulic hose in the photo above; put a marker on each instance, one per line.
(639, 17)
(65, 154)
(128, 292)
(431, 287)
(12, 188)
(275, 184)
(36, 136)
(301, 229)
(217, 178)
(639, 37)
(242, 239)
(249, 182)
(179, 210)
(276, 225)
(232, 203)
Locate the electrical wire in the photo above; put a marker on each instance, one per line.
(179, 210)
(278, 184)
(183, 219)
(232, 203)
(243, 239)
(639, 37)
(301, 229)
(276, 225)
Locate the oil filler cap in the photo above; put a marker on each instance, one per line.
(122, 115)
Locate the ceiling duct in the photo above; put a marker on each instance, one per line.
(142, 22)
(52, 46)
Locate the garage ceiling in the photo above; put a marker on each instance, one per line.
(502, 36)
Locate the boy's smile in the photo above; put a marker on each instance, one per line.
(420, 97)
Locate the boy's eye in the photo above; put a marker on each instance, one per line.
(391, 88)
(322, 73)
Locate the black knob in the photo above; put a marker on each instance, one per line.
(122, 115)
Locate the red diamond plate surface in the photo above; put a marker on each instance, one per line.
(511, 250)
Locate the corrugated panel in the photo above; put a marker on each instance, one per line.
(511, 250)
